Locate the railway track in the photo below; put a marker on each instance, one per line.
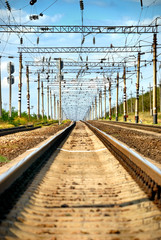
(6, 131)
(81, 191)
(151, 128)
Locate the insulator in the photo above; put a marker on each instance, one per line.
(38, 40)
(34, 17)
(83, 40)
(94, 40)
(141, 3)
(21, 40)
(81, 58)
(87, 59)
(81, 5)
(8, 6)
(32, 2)
(41, 14)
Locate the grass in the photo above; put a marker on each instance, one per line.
(22, 121)
(144, 116)
(5, 125)
(3, 159)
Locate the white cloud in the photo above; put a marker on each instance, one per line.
(22, 17)
(145, 21)
(4, 83)
(56, 18)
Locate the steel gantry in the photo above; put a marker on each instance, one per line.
(79, 71)
(122, 49)
(86, 64)
(85, 30)
(79, 29)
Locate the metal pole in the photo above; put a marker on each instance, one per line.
(99, 106)
(96, 108)
(60, 91)
(160, 94)
(10, 93)
(155, 121)
(125, 101)
(101, 103)
(0, 91)
(131, 102)
(142, 99)
(105, 102)
(92, 111)
(117, 95)
(48, 102)
(150, 99)
(38, 96)
(57, 109)
(42, 99)
(51, 106)
(110, 117)
(20, 85)
(137, 91)
(28, 92)
(54, 107)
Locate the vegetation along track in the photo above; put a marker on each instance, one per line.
(83, 192)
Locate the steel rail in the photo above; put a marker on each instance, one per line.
(14, 128)
(6, 131)
(137, 126)
(10, 176)
(147, 173)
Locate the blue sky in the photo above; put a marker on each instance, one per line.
(67, 12)
(95, 11)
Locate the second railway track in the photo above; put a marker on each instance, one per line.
(146, 127)
(6, 131)
(81, 192)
